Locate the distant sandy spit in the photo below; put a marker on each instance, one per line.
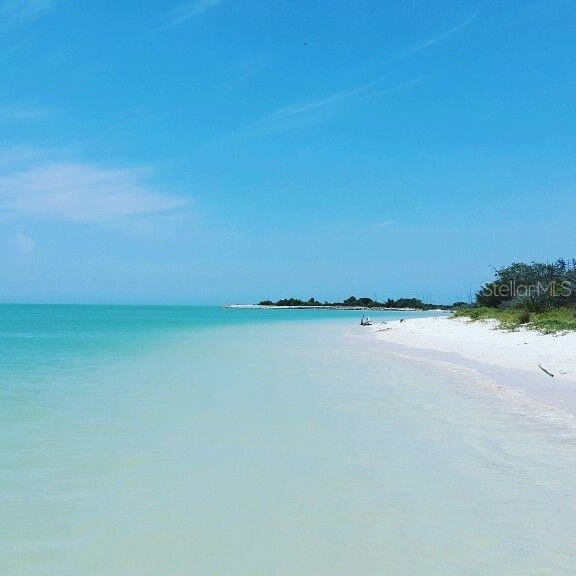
(541, 366)
(330, 307)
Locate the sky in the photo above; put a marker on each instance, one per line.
(218, 151)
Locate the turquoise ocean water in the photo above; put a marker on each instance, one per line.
(205, 441)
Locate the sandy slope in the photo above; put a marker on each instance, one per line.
(482, 342)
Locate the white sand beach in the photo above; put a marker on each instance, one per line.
(513, 358)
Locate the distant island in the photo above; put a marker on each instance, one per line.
(357, 303)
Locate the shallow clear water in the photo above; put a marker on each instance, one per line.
(150, 440)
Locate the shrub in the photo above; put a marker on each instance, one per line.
(547, 321)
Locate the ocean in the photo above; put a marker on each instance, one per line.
(150, 440)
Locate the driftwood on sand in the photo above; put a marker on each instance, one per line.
(544, 370)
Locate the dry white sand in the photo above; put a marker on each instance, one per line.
(509, 359)
(482, 342)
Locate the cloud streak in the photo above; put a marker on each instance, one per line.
(441, 37)
(15, 12)
(21, 113)
(81, 192)
(383, 224)
(358, 93)
(190, 10)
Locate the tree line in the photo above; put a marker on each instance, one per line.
(353, 302)
(534, 287)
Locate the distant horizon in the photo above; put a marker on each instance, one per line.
(175, 304)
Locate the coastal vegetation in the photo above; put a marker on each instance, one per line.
(548, 321)
(353, 302)
(538, 295)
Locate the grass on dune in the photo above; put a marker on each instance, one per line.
(547, 321)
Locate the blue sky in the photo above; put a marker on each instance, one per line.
(224, 151)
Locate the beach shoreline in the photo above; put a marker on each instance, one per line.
(521, 361)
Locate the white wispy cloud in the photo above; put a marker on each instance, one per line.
(22, 113)
(383, 224)
(247, 67)
(336, 98)
(363, 91)
(14, 12)
(190, 10)
(80, 192)
(440, 37)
